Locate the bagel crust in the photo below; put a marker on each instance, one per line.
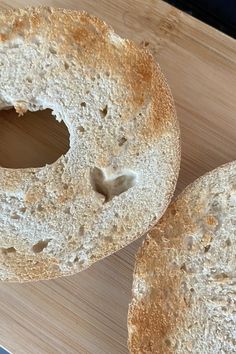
(120, 172)
(184, 283)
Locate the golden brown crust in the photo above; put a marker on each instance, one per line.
(134, 65)
(19, 263)
(154, 317)
(161, 298)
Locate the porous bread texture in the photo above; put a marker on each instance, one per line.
(124, 143)
(184, 287)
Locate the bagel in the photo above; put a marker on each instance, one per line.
(184, 284)
(120, 171)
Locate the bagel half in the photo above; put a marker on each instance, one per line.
(124, 143)
(184, 288)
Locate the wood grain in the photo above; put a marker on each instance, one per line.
(87, 313)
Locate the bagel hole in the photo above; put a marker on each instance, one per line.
(15, 216)
(67, 211)
(23, 210)
(66, 65)
(29, 80)
(39, 246)
(81, 129)
(35, 139)
(6, 251)
(122, 141)
(111, 187)
(52, 50)
(103, 111)
(183, 267)
(206, 248)
(81, 230)
(40, 208)
(168, 342)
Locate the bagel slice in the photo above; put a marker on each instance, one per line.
(120, 171)
(184, 287)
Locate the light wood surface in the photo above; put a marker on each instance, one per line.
(87, 313)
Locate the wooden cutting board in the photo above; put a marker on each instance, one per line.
(87, 313)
